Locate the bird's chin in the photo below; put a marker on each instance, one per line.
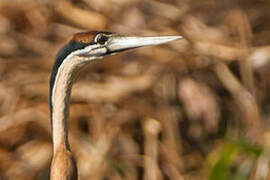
(102, 52)
(101, 56)
(98, 52)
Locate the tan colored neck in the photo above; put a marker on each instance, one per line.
(61, 100)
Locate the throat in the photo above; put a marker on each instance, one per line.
(60, 100)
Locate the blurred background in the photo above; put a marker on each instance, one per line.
(198, 108)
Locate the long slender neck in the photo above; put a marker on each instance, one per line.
(60, 99)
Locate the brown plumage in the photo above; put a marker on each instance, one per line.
(63, 166)
(85, 37)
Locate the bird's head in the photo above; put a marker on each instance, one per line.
(98, 44)
(91, 45)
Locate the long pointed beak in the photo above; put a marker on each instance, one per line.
(121, 43)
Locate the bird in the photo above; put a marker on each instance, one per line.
(82, 49)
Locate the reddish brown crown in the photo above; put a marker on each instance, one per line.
(85, 37)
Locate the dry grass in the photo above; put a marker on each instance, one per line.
(193, 109)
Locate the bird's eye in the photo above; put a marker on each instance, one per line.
(101, 39)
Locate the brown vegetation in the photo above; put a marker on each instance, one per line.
(197, 108)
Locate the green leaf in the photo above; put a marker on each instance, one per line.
(221, 169)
